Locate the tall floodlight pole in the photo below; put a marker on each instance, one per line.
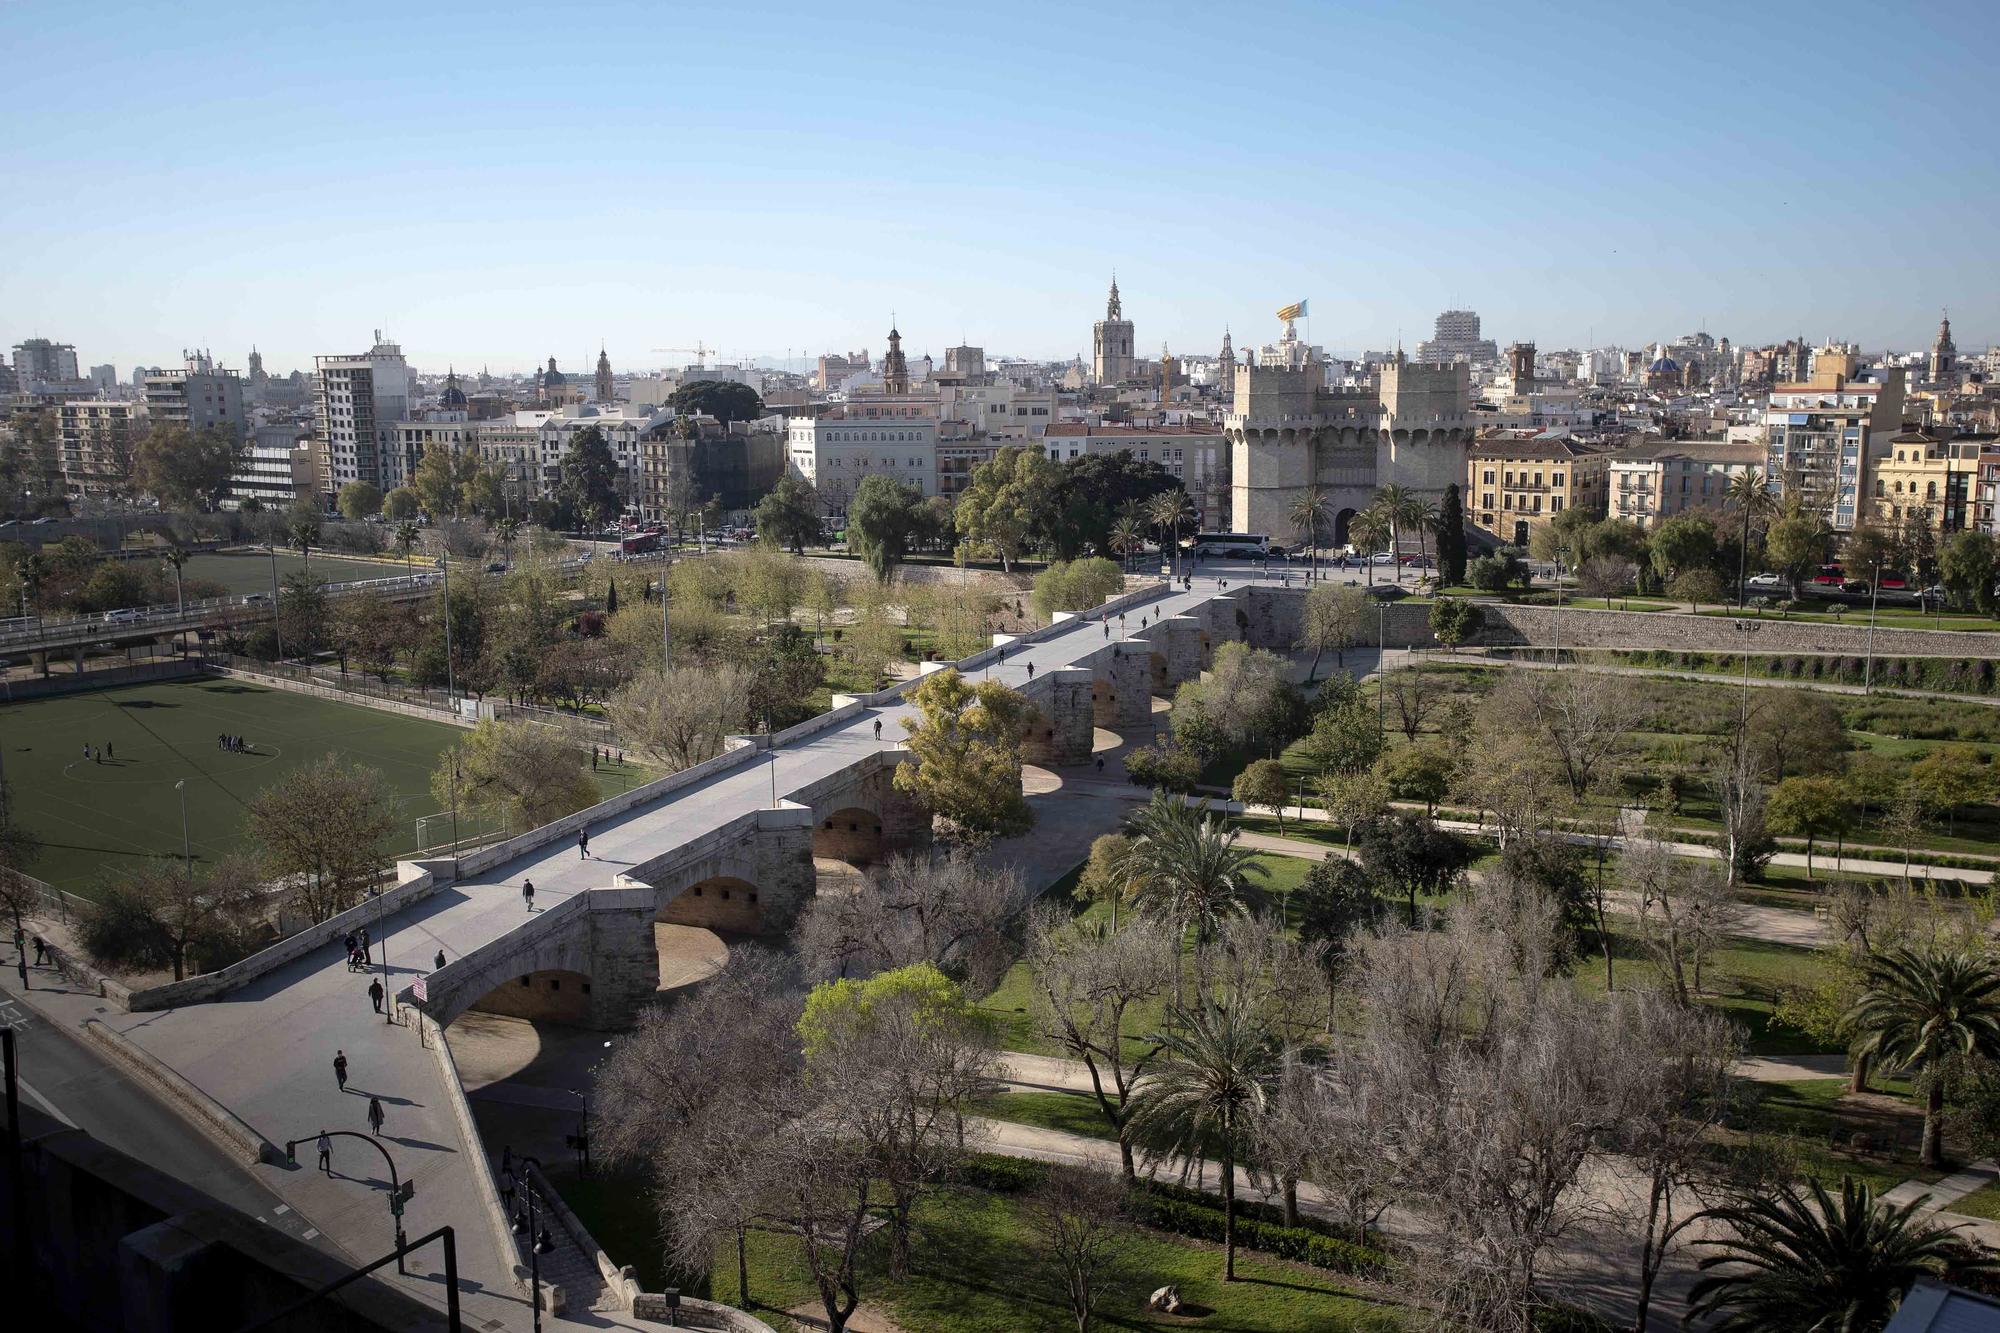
(187, 849)
(277, 623)
(450, 679)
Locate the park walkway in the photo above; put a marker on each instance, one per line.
(266, 1051)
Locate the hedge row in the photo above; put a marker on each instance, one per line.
(1949, 675)
(1198, 1215)
(1204, 1221)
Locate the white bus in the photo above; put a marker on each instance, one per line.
(1249, 544)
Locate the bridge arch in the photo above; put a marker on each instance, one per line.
(852, 834)
(720, 903)
(551, 995)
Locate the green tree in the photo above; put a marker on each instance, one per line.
(360, 500)
(1010, 499)
(1808, 1262)
(1919, 1010)
(1682, 544)
(788, 515)
(1346, 737)
(1263, 782)
(1951, 776)
(521, 773)
(1170, 511)
(1811, 808)
(1105, 877)
(401, 505)
(1969, 566)
(1206, 1096)
(1076, 585)
(1402, 507)
(1454, 620)
(1409, 854)
(1451, 538)
(725, 400)
(1419, 773)
(186, 469)
(589, 477)
(1501, 570)
(1093, 492)
(1367, 531)
(1187, 868)
(1312, 512)
(881, 520)
(1697, 586)
(1796, 544)
(966, 740)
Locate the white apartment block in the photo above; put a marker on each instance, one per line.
(198, 396)
(276, 468)
(444, 428)
(361, 399)
(1003, 413)
(623, 426)
(886, 437)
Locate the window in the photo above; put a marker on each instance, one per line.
(1488, 479)
(1555, 504)
(1556, 480)
(1507, 501)
(1486, 499)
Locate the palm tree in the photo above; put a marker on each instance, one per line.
(1185, 865)
(506, 531)
(1402, 507)
(1313, 508)
(1428, 519)
(1220, 1071)
(305, 536)
(407, 537)
(1128, 538)
(1801, 1263)
(1368, 530)
(1749, 493)
(1920, 1008)
(1168, 510)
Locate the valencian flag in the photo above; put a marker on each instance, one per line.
(1297, 311)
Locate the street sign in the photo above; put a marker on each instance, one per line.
(421, 990)
(407, 1191)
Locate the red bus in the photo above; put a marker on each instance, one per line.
(639, 543)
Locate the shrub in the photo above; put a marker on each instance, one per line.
(1002, 1175)
(1164, 765)
(1204, 1221)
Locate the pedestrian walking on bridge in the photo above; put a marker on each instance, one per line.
(375, 994)
(340, 1069)
(325, 1146)
(375, 1116)
(528, 893)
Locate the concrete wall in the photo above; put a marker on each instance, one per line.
(176, 668)
(1543, 626)
(116, 1244)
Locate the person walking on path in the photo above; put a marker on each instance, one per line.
(375, 994)
(440, 961)
(325, 1146)
(878, 728)
(528, 893)
(365, 956)
(583, 844)
(375, 1116)
(1031, 671)
(352, 943)
(340, 1069)
(41, 951)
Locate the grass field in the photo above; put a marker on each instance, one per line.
(94, 817)
(242, 572)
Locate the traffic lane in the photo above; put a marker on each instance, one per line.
(61, 1077)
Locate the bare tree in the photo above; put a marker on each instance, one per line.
(949, 911)
(1332, 621)
(1087, 979)
(1414, 694)
(701, 1094)
(1077, 1218)
(681, 715)
(1512, 780)
(1677, 1089)
(161, 910)
(1740, 794)
(1584, 716)
(325, 829)
(1685, 909)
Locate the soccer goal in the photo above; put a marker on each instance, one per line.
(434, 832)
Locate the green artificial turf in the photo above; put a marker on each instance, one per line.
(95, 818)
(242, 572)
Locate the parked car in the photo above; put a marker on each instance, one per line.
(1388, 592)
(1382, 558)
(1857, 586)
(1892, 583)
(124, 615)
(1764, 582)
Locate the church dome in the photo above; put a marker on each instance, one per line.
(453, 396)
(1665, 365)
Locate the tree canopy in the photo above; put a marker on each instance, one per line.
(725, 400)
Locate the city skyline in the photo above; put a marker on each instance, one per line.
(650, 182)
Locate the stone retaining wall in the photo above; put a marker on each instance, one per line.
(1544, 626)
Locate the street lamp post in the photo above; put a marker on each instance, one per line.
(1874, 595)
(277, 624)
(1751, 628)
(398, 1196)
(450, 680)
(524, 1220)
(1382, 670)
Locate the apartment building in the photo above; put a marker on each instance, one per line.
(94, 442)
(199, 396)
(1936, 473)
(1518, 480)
(1652, 482)
(842, 445)
(275, 470)
(1823, 435)
(361, 398)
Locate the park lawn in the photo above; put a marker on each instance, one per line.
(242, 572)
(1983, 1202)
(1893, 617)
(972, 1261)
(94, 818)
(1820, 1118)
(1743, 980)
(1068, 1112)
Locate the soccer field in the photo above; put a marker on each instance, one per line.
(97, 817)
(240, 572)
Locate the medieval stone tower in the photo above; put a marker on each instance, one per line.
(1111, 342)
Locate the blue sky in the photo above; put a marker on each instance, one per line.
(494, 185)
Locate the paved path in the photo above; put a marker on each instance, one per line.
(266, 1051)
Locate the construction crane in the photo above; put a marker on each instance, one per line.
(700, 351)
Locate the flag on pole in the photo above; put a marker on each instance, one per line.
(1296, 311)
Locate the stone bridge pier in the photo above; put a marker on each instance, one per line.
(858, 816)
(1065, 708)
(1122, 685)
(1183, 641)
